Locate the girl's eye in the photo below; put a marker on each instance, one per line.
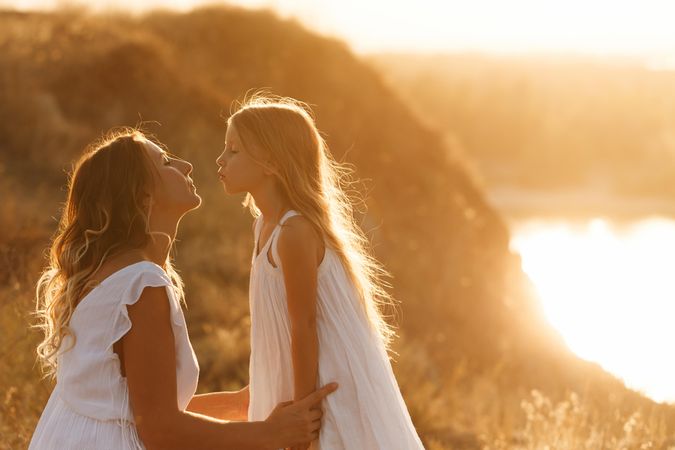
(167, 161)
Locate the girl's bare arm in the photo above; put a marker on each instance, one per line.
(298, 248)
(228, 405)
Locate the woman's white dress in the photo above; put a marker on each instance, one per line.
(89, 406)
(367, 412)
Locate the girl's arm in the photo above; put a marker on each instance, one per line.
(229, 405)
(150, 366)
(298, 247)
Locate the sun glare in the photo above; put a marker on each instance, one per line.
(628, 27)
(611, 294)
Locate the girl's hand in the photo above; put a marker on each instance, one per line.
(298, 423)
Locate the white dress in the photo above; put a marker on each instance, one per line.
(89, 406)
(367, 412)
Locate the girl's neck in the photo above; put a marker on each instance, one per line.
(271, 203)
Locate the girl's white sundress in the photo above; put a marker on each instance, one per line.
(367, 412)
(89, 406)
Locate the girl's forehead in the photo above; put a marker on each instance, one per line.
(231, 133)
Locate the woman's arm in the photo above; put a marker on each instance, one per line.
(298, 247)
(150, 366)
(229, 405)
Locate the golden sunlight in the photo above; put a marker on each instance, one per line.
(627, 27)
(610, 292)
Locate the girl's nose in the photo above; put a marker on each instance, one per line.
(220, 161)
(188, 168)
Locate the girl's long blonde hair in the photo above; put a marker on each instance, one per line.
(315, 185)
(103, 215)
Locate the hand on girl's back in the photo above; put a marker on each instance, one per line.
(300, 447)
(297, 423)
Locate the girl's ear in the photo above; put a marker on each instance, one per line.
(269, 168)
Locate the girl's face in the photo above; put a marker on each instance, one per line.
(238, 171)
(174, 189)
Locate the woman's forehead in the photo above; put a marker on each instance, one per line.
(153, 149)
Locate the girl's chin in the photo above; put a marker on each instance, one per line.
(228, 189)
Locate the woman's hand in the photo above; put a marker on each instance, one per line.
(298, 423)
(300, 447)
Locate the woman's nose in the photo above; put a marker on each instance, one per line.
(188, 168)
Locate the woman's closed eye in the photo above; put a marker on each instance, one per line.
(167, 161)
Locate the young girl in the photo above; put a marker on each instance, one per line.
(314, 289)
(115, 335)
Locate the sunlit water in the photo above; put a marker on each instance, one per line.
(610, 292)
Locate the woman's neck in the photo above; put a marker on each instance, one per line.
(162, 234)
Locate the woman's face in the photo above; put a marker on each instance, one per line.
(174, 189)
(238, 171)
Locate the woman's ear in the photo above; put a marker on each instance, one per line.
(146, 201)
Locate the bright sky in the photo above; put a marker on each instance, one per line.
(642, 27)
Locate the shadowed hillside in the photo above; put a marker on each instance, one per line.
(473, 344)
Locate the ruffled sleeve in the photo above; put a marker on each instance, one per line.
(150, 275)
(89, 378)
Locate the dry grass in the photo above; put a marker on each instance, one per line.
(453, 407)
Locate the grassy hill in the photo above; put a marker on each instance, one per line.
(477, 364)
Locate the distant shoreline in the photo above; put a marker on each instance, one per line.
(518, 204)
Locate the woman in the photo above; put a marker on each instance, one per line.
(115, 335)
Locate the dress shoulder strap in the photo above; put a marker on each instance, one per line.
(290, 213)
(257, 226)
(275, 235)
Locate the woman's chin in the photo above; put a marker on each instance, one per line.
(196, 202)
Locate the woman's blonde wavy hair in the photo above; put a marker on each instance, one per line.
(284, 130)
(104, 214)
